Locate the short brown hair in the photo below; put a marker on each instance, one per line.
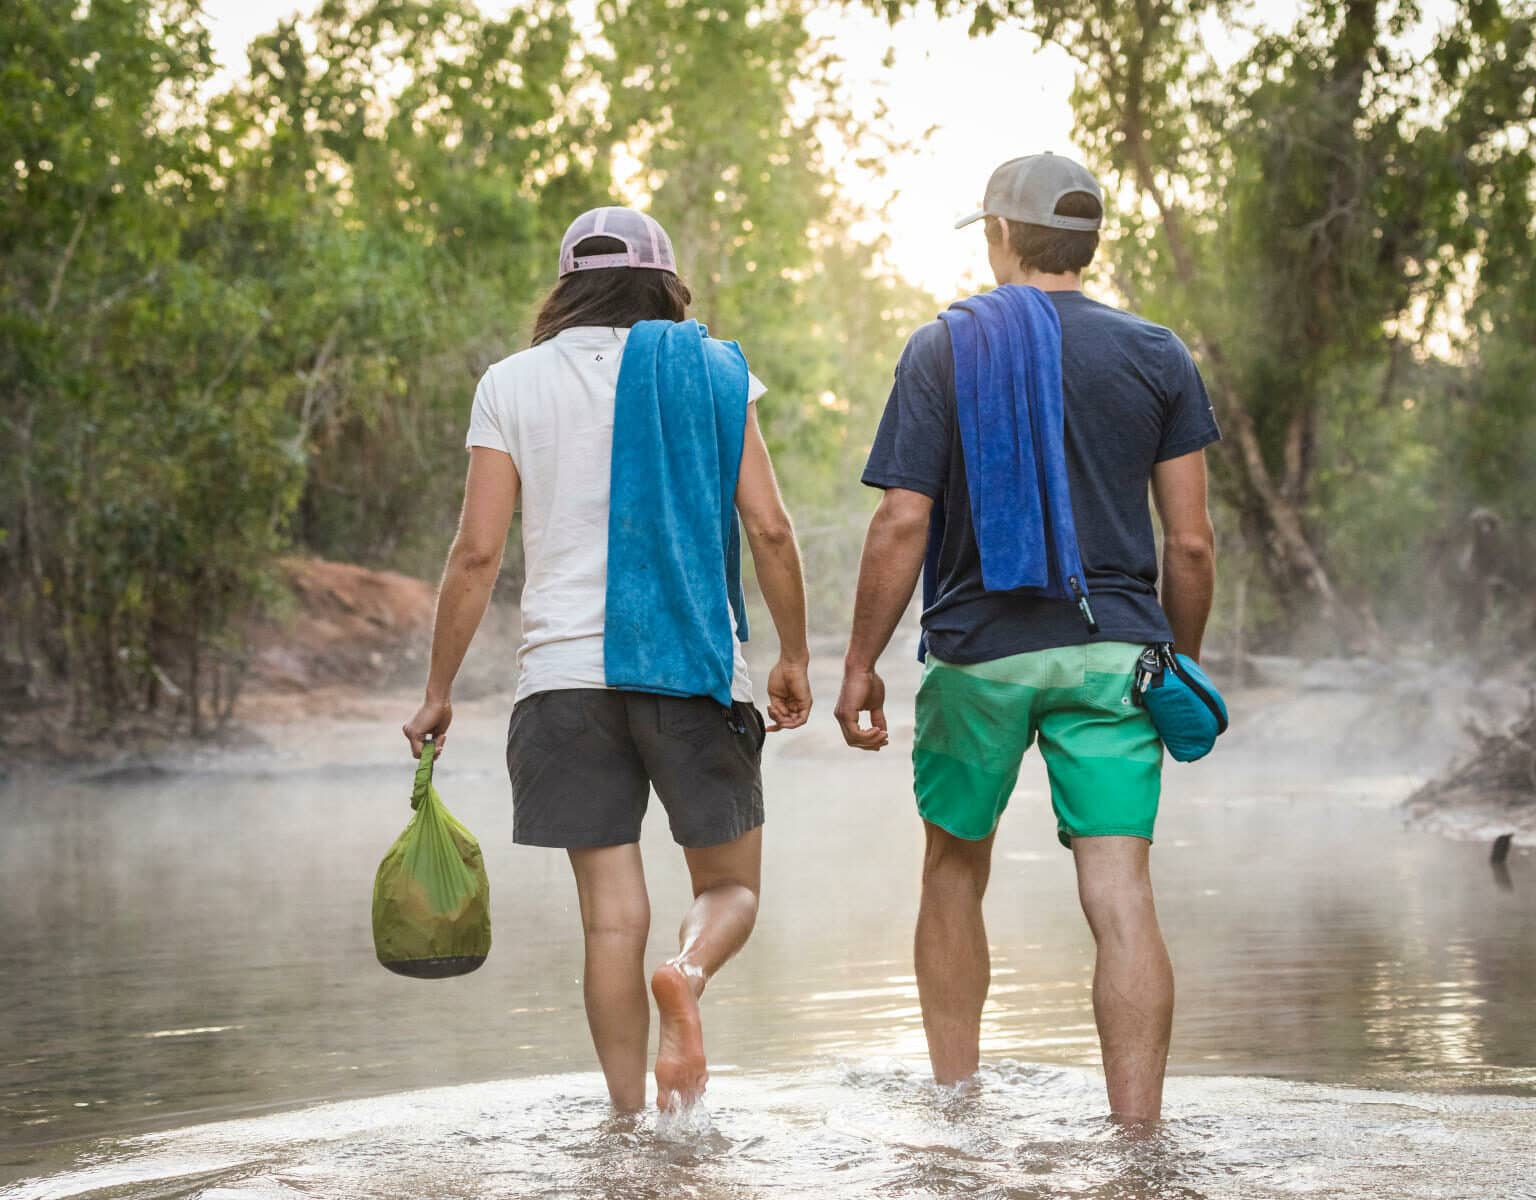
(616, 296)
(1053, 251)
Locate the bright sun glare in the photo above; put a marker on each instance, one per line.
(964, 104)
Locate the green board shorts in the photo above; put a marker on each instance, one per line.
(1102, 753)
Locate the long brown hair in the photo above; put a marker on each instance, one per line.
(617, 296)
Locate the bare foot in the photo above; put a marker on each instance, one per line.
(680, 1068)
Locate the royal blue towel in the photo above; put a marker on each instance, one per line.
(1007, 352)
(674, 545)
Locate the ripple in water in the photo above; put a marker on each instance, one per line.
(878, 1130)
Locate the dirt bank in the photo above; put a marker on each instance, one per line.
(342, 641)
(344, 624)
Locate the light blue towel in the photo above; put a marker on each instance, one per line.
(674, 545)
(1007, 353)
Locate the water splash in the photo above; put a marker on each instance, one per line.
(684, 1122)
(870, 1131)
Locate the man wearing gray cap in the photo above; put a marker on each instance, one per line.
(966, 435)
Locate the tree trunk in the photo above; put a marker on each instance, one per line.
(1240, 670)
(194, 664)
(1292, 562)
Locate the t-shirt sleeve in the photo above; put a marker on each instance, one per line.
(911, 448)
(489, 425)
(756, 388)
(1189, 420)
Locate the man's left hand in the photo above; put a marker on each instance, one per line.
(789, 696)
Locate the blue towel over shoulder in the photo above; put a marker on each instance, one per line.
(674, 545)
(1007, 353)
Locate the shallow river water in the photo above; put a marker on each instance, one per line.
(191, 1007)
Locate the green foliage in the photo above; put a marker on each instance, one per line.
(243, 322)
(1312, 217)
(130, 481)
(723, 104)
(1493, 439)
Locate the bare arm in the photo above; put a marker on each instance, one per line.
(776, 555)
(1189, 548)
(893, 559)
(490, 496)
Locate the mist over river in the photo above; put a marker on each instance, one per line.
(188, 972)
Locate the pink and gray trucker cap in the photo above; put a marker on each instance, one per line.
(646, 244)
(1028, 189)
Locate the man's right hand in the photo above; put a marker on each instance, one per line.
(863, 692)
(431, 720)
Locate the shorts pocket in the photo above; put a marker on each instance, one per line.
(1111, 678)
(756, 724)
(695, 720)
(973, 719)
(550, 720)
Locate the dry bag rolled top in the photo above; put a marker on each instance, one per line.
(431, 897)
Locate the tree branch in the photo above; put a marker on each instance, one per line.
(234, 359)
(56, 290)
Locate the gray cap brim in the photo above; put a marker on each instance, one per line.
(972, 219)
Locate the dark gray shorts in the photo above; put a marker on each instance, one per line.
(583, 762)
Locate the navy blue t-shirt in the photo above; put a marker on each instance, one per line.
(1133, 397)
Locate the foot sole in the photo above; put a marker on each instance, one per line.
(681, 1070)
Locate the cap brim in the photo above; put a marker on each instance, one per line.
(972, 219)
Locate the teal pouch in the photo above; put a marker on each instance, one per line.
(1186, 708)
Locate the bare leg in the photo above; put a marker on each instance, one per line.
(616, 919)
(954, 964)
(1132, 977)
(726, 880)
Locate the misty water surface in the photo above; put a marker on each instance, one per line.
(194, 946)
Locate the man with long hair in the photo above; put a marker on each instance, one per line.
(584, 751)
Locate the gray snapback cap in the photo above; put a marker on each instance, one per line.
(1028, 189)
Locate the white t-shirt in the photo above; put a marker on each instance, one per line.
(551, 408)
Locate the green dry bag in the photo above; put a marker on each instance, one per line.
(431, 898)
